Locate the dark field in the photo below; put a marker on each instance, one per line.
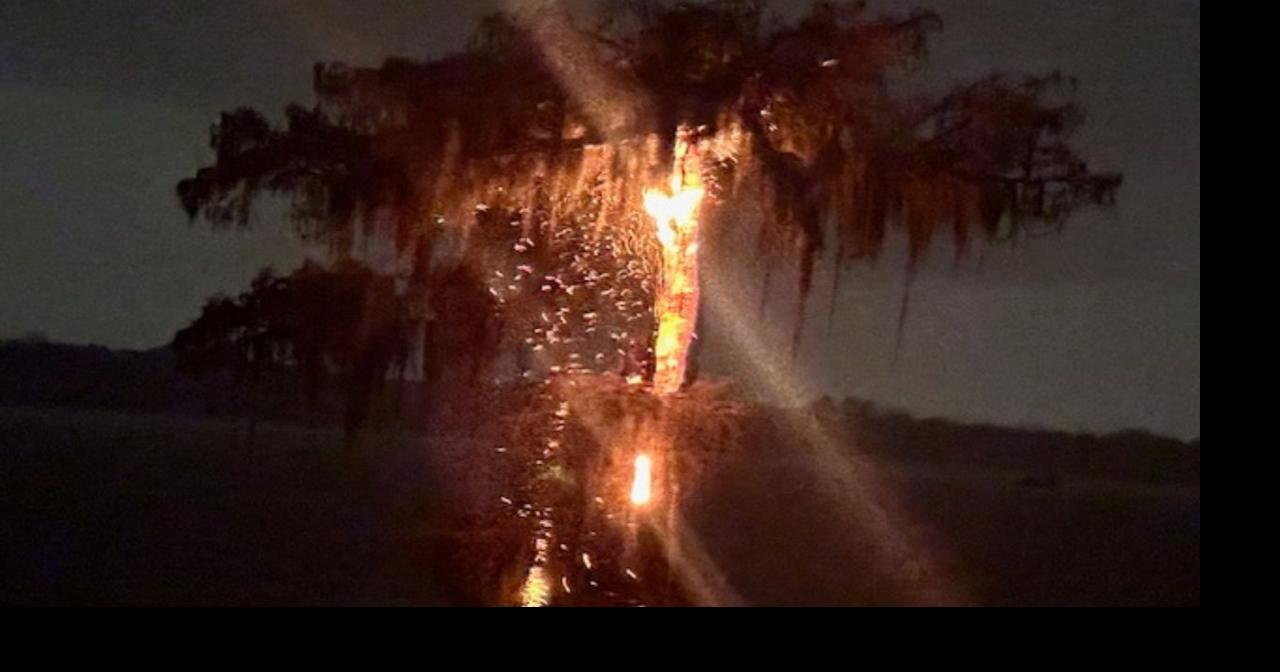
(99, 508)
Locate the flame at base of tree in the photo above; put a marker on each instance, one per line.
(536, 591)
(642, 481)
(676, 306)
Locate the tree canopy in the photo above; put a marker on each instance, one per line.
(544, 122)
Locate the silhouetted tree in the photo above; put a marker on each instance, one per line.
(510, 175)
(245, 335)
(545, 124)
(344, 322)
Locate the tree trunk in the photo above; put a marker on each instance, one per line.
(253, 407)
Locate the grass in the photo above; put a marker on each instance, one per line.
(99, 508)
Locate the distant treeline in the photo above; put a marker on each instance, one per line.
(34, 373)
(1046, 456)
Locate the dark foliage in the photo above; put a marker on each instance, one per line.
(806, 111)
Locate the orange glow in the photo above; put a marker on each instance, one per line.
(675, 212)
(536, 591)
(642, 481)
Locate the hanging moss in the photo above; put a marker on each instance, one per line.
(798, 113)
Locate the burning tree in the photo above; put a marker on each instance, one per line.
(571, 165)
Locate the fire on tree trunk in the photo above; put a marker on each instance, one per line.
(676, 215)
(617, 533)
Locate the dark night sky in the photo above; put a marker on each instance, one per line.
(105, 105)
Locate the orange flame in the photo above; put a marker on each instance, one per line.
(676, 214)
(642, 481)
(536, 591)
